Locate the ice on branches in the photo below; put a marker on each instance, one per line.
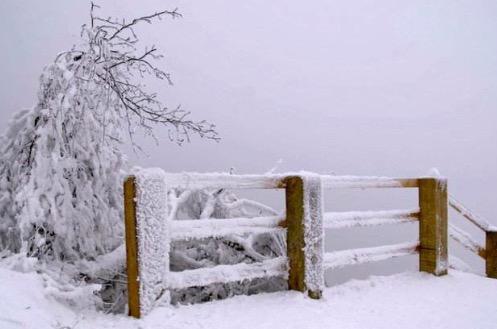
(112, 63)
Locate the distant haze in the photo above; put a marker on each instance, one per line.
(366, 87)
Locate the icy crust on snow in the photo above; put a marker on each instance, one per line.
(153, 235)
(313, 232)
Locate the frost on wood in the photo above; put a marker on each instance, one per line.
(153, 236)
(338, 259)
(217, 228)
(466, 240)
(229, 273)
(313, 233)
(336, 220)
(465, 212)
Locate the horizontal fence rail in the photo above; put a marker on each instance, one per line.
(275, 181)
(214, 228)
(489, 252)
(466, 213)
(337, 220)
(466, 240)
(338, 259)
(330, 182)
(228, 273)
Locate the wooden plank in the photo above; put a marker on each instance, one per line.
(223, 180)
(491, 254)
(347, 219)
(294, 193)
(433, 226)
(333, 182)
(466, 213)
(131, 246)
(274, 267)
(341, 258)
(296, 206)
(466, 240)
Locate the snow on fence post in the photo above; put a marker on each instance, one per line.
(433, 226)
(305, 247)
(147, 239)
(131, 246)
(491, 253)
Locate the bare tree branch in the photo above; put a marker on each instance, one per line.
(111, 60)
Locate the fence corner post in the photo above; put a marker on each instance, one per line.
(131, 237)
(491, 254)
(433, 250)
(305, 245)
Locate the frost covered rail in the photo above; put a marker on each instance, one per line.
(228, 273)
(274, 181)
(336, 220)
(487, 252)
(213, 228)
(431, 215)
(367, 182)
(149, 230)
(338, 259)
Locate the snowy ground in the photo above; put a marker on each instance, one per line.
(407, 300)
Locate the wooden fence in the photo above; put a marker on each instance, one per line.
(487, 252)
(149, 277)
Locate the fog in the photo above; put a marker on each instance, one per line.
(366, 88)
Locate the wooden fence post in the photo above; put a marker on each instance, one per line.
(433, 226)
(131, 246)
(491, 254)
(296, 204)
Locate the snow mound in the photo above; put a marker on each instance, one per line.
(407, 300)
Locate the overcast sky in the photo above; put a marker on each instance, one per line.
(364, 87)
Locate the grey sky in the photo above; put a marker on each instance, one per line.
(365, 87)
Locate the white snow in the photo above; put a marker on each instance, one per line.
(407, 300)
(313, 232)
(153, 235)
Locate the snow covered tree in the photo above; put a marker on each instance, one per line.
(60, 163)
(61, 169)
